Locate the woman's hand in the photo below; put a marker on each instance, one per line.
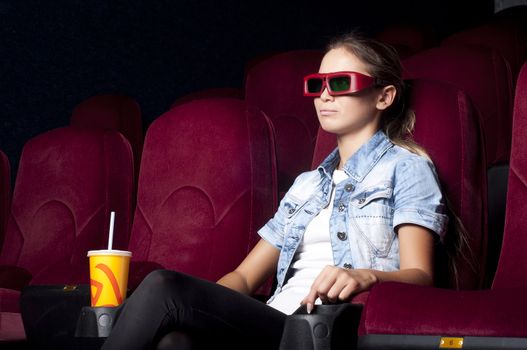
(416, 252)
(335, 284)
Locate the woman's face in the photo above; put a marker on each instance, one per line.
(347, 113)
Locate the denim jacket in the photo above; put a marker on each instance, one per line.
(387, 186)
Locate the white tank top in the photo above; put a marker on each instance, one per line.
(312, 255)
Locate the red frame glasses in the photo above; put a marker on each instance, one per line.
(337, 83)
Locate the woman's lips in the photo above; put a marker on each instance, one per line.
(327, 112)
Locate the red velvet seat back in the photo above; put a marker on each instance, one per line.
(209, 93)
(486, 77)
(206, 185)
(5, 193)
(67, 183)
(274, 85)
(507, 38)
(112, 112)
(447, 127)
(407, 39)
(513, 259)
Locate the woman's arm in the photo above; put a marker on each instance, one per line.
(254, 270)
(416, 252)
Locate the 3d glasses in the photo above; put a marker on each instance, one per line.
(337, 83)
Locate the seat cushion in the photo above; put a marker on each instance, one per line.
(11, 327)
(398, 308)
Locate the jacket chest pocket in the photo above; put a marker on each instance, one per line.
(292, 208)
(372, 216)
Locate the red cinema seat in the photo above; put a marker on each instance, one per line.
(67, 183)
(407, 39)
(5, 194)
(486, 77)
(447, 127)
(274, 85)
(112, 112)
(209, 93)
(206, 185)
(506, 37)
(404, 316)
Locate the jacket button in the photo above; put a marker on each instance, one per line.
(362, 200)
(348, 266)
(341, 207)
(349, 188)
(342, 235)
(291, 211)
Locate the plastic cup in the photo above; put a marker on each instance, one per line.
(108, 276)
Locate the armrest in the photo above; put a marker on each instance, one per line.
(96, 322)
(327, 327)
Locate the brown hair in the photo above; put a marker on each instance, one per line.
(398, 121)
(384, 64)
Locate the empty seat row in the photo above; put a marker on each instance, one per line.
(68, 181)
(206, 184)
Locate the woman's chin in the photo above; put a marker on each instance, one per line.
(331, 128)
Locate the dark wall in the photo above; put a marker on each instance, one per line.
(56, 53)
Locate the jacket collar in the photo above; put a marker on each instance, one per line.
(362, 161)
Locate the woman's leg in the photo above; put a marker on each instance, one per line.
(177, 340)
(167, 301)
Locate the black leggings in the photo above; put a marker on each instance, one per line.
(207, 314)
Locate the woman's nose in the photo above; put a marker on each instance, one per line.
(325, 96)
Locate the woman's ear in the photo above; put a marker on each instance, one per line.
(386, 97)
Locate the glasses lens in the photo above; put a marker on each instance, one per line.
(314, 85)
(339, 84)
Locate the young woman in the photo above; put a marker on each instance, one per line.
(369, 213)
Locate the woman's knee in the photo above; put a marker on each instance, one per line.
(160, 281)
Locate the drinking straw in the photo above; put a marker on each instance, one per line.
(110, 239)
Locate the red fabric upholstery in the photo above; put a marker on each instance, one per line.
(5, 193)
(209, 93)
(206, 185)
(9, 300)
(274, 85)
(12, 330)
(399, 308)
(485, 76)
(499, 312)
(407, 39)
(113, 112)
(14, 277)
(67, 183)
(447, 127)
(513, 259)
(506, 37)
